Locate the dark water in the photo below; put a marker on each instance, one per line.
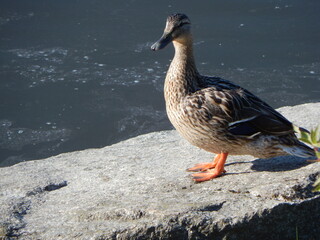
(79, 74)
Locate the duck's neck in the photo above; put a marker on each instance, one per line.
(182, 76)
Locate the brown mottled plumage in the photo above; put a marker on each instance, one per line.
(218, 115)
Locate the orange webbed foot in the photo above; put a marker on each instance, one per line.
(207, 173)
(206, 176)
(200, 167)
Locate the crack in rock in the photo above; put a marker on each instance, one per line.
(50, 187)
(211, 208)
(23, 206)
(19, 210)
(53, 186)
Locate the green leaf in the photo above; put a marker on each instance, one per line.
(296, 128)
(305, 137)
(315, 136)
(314, 133)
(312, 138)
(316, 186)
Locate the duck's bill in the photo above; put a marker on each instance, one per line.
(162, 42)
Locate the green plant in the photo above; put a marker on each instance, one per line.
(312, 138)
(316, 186)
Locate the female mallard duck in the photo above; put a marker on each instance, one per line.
(217, 115)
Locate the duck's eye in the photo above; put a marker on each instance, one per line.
(179, 26)
(183, 23)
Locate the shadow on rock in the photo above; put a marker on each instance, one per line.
(278, 164)
(211, 208)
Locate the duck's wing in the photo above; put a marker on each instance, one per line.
(245, 114)
(255, 117)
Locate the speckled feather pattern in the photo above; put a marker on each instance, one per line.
(203, 109)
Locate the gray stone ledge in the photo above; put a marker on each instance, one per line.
(139, 189)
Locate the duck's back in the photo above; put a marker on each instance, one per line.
(221, 116)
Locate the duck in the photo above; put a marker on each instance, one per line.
(217, 115)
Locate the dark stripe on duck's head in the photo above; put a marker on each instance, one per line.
(178, 19)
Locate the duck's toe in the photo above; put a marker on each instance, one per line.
(201, 167)
(208, 175)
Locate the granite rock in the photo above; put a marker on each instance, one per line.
(139, 189)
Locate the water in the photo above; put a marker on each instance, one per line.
(80, 74)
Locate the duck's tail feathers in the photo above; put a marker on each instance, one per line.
(300, 129)
(299, 150)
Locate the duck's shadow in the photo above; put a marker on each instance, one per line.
(279, 164)
(276, 164)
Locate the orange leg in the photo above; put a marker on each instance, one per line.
(201, 167)
(212, 173)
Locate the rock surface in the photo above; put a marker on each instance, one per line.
(139, 189)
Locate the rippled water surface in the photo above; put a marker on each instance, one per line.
(80, 74)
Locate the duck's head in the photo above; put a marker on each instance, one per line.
(177, 29)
